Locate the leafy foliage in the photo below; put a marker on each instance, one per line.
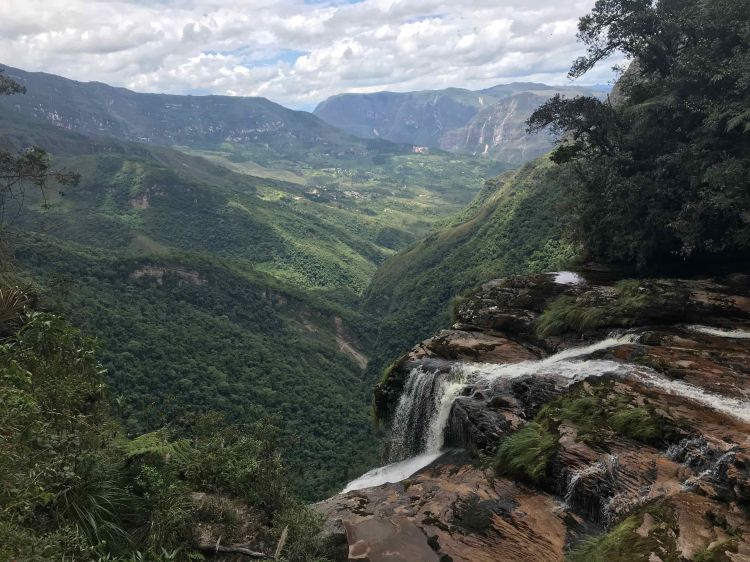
(29, 167)
(74, 486)
(662, 170)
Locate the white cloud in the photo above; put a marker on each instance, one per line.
(292, 51)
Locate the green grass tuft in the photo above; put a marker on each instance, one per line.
(526, 453)
(624, 544)
(638, 424)
(567, 314)
(598, 412)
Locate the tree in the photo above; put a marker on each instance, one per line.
(31, 167)
(663, 167)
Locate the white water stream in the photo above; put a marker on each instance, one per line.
(568, 278)
(720, 332)
(424, 409)
(390, 473)
(733, 407)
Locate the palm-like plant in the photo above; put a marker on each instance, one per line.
(13, 301)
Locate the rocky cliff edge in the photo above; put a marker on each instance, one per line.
(595, 420)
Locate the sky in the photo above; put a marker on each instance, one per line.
(296, 52)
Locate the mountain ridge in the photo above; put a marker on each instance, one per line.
(209, 121)
(439, 118)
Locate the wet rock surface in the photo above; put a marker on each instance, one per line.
(653, 444)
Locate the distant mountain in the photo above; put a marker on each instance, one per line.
(202, 122)
(487, 122)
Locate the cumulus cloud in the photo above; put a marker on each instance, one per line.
(295, 52)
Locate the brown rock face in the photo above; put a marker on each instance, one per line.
(450, 511)
(644, 438)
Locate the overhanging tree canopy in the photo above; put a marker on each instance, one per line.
(664, 170)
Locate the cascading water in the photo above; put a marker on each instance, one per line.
(423, 410)
(720, 332)
(425, 405)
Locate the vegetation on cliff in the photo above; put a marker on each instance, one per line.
(596, 412)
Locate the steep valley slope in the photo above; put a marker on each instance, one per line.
(513, 226)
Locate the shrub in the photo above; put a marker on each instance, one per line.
(304, 542)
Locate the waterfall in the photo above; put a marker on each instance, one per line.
(418, 426)
(395, 472)
(425, 405)
(424, 408)
(423, 411)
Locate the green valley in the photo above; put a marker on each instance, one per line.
(218, 279)
(513, 226)
(419, 323)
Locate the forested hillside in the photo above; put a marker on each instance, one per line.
(513, 226)
(166, 268)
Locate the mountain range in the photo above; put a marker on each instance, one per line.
(489, 122)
